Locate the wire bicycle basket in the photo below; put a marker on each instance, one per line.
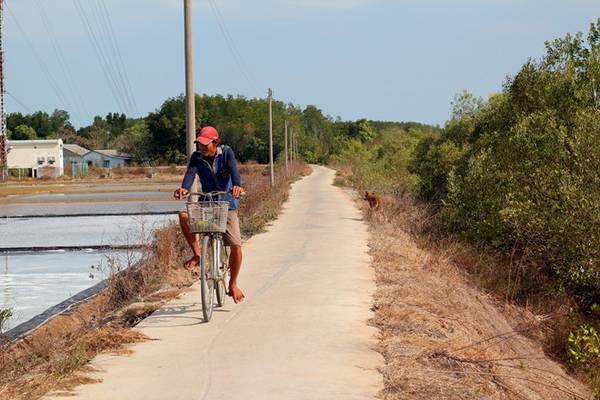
(208, 216)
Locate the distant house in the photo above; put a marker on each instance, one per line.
(107, 158)
(73, 152)
(74, 163)
(36, 158)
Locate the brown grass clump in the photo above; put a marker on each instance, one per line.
(440, 336)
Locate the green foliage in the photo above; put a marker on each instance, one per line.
(134, 139)
(41, 122)
(583, 347)
(71, 361)
(243, 123)
(23, 132)
(382, 164)
(5, 315)
(521, 171)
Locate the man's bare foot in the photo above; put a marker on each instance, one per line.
(236, 293)
(192, 263)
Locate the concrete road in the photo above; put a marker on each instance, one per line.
(302, 333)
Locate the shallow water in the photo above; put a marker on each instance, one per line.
(57, 197)
(80, 231)
(30, 282)
(131, 207)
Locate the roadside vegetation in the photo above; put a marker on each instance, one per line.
(508, 193)
(55, 356)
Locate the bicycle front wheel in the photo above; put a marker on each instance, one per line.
(223, 277)
(207, 282)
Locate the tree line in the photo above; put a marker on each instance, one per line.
(520, 171)
(242, 122)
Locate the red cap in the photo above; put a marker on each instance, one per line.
(207, 135)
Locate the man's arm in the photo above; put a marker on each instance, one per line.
(236, 178)
(188, 179)
(190, 173)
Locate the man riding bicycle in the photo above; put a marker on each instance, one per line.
(216, 166)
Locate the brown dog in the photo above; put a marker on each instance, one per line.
(374, 201)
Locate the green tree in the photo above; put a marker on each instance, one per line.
(23, 132)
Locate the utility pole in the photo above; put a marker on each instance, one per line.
(291, 144)
(296, 147)
(295, 144)
(271, 137)
(190, 94)
(286, 147)
(3, 147)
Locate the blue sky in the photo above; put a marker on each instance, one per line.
(380, 59)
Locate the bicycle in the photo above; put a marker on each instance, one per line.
(209, 219)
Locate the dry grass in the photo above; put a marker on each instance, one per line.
(441, 337)
(55, 356)
(262, 204)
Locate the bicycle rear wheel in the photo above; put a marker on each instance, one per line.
(207, 282)
(221, 287)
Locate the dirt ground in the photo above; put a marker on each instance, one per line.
(442, 338)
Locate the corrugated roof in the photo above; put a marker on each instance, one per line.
(113, 153)
(77, 149)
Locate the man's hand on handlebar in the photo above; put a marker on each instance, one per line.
(181, 193)
(237, 191)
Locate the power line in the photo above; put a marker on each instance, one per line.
(231, 45)
(106, 32)
(119, 56)
(68, 75)
(103, 39)
(19, 102)
(55, 87)
(102, 60)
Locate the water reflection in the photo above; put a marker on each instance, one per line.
(31, 283)
(80, 231)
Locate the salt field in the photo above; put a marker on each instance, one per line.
(31, 282)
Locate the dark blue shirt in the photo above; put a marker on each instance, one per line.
(221, 176)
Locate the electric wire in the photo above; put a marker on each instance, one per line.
(231, 45)
(19, 102)
(63, 64)
(102, 60)
(104, 35)
(119, 56)
(103, 57)
(52, 82)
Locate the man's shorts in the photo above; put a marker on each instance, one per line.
(232, 235)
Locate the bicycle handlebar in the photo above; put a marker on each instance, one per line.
(209, 194)
(213, 193)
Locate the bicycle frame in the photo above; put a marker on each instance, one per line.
(213, 265)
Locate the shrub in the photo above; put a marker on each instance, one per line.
(522, 172)
(584, 347)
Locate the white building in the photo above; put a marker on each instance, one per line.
(36, 158)
(107, 158)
